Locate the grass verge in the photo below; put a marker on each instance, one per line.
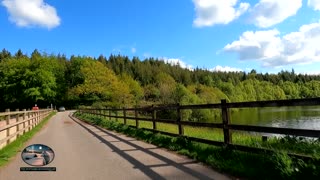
(236, 163)
(13, 148)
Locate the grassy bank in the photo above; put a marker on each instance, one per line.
(16, 146)
(241, 164)
(283, 144)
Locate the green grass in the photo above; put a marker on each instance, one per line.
(16, 146)
(240, 164)
(287, 144)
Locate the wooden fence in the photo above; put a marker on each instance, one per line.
(16, 123)
(225, 125)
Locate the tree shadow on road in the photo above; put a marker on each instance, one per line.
(146, 169)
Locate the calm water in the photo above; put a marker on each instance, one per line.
(290, 117)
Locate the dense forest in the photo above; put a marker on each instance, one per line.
(118, 81)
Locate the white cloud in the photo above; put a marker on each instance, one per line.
(225, 69)
(267, 13)
(309, 72)
(211, 12)
(176, 61)
(146, 55)
(314, 4)
(182, 64)
(273, 50)
(133, 50)
(116, 50)
(26, 13)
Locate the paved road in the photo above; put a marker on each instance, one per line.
(85, 152)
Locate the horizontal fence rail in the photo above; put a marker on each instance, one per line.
(16, 123)
(225, 125)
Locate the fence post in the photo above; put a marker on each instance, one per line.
(17, 120)
(29, 120)
(154, 116)
(109, 114)
(38, 117)
(124, 116)
(24, 118)
(136, 117)
(117, 115)
(34, 116)
(225, 122)
(180, 128)
(8, 122)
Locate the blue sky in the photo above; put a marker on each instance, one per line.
(228, 35)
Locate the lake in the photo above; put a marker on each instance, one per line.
(306, 117)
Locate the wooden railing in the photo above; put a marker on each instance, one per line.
(16, 123)
(225, 125)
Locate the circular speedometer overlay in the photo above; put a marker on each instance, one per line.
(37, 155)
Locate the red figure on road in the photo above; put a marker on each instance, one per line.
(35, 107)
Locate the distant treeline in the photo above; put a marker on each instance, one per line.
(119, 81)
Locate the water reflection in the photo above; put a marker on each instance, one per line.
(287, 117)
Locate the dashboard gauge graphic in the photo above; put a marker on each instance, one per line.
(37, 155)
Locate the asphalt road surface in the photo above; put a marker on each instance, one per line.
(85, 152)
